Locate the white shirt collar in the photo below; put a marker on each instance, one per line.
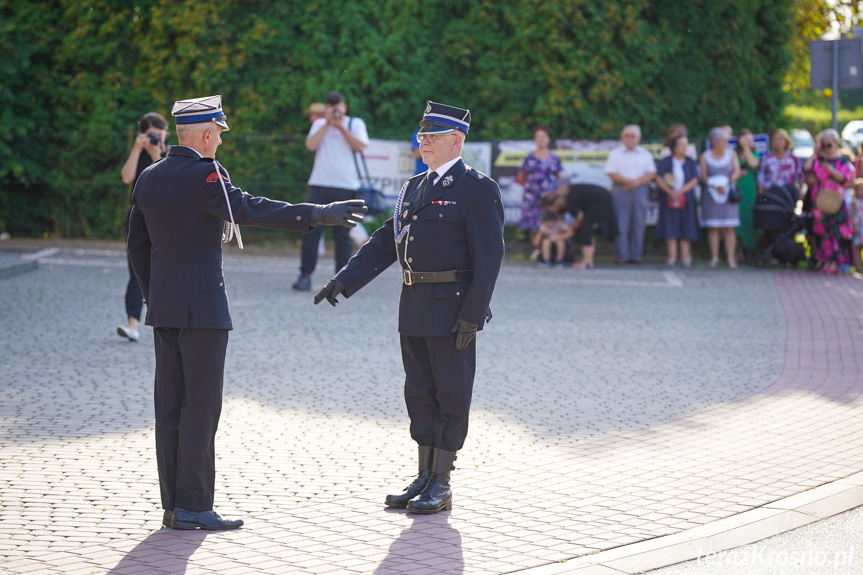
(442, 170)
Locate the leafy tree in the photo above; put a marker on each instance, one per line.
(77, 75)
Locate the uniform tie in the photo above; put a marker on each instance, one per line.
(429, 183)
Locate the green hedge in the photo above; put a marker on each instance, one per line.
(74, 75)
(817, 119)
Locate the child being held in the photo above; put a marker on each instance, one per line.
(856, 213)
(555, 229)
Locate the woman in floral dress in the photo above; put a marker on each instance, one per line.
(829, 172)
(538, 174)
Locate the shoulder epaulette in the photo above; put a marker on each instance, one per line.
(475, 173)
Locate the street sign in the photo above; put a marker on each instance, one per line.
(850, 63)
(836, 64)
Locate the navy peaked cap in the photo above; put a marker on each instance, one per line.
(440, 118)
(198, 110)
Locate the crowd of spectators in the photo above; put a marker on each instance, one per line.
(712, 195)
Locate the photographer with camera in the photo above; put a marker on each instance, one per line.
(335, 139)
(149, 147)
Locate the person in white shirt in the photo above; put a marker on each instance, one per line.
(335, 139)
(631, 168)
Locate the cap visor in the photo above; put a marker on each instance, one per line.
(223, 122)
(433, 129)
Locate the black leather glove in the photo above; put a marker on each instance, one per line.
(333, 288)
(348, 213)
(466, 332)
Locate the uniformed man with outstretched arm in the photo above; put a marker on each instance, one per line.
(447, 237)
(183, 208)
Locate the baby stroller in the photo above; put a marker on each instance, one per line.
(774, 213)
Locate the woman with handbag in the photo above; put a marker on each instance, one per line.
(720, 210)
(828, 172)
(677, 177)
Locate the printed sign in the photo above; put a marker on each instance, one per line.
(582, 162)
(391, 163)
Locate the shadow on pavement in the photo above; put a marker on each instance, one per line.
(163, 552)
(430, 542)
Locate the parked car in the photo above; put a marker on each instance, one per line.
(804, 144)
(852, 133)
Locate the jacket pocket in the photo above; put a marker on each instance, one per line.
(442, 213)
(451, 290)
(212, 280)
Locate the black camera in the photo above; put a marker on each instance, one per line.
(154, 139)
(337, 114)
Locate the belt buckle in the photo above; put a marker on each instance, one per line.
(406, 276)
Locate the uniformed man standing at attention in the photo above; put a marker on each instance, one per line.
(447, 237)
(183, 208)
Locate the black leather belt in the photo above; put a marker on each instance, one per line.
(411, 278)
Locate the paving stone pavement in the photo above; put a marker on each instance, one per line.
(610, 407)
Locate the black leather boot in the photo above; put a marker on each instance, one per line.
(436, 495)
(400, 501)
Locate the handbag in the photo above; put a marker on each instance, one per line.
(828, 202)
(672, 203)
(734, 195)
(373, 197)
(676, 203)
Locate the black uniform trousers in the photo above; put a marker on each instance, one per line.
(341, 234)
(190, 365)
(134, 295)
(438, 389)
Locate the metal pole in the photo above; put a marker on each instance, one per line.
(835, 82)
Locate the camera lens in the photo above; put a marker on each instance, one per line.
(154, 139)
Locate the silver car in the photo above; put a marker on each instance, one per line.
(804, 144)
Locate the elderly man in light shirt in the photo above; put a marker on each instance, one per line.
(631, 168)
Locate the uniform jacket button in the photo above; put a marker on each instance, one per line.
(440, 215)
(299, 218)
(458, 293)
(221, 284)
(414, 217)
(411, 238)
(410, 260)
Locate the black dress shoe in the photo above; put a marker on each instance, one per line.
(166, 518)
(436, 496)
(207, 520)
(400, 501)
(303, 283)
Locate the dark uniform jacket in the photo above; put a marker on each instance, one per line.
(175, 237)
(458, 225)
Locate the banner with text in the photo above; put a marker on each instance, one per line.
(391, 163)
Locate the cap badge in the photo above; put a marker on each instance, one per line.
(428, 108)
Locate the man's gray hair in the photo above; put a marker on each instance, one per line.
(635, 127)
(190, 131)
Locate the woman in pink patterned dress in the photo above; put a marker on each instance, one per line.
(829, 172)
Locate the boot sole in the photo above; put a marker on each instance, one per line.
(191, 526)
(394, 505)
(445, 507)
